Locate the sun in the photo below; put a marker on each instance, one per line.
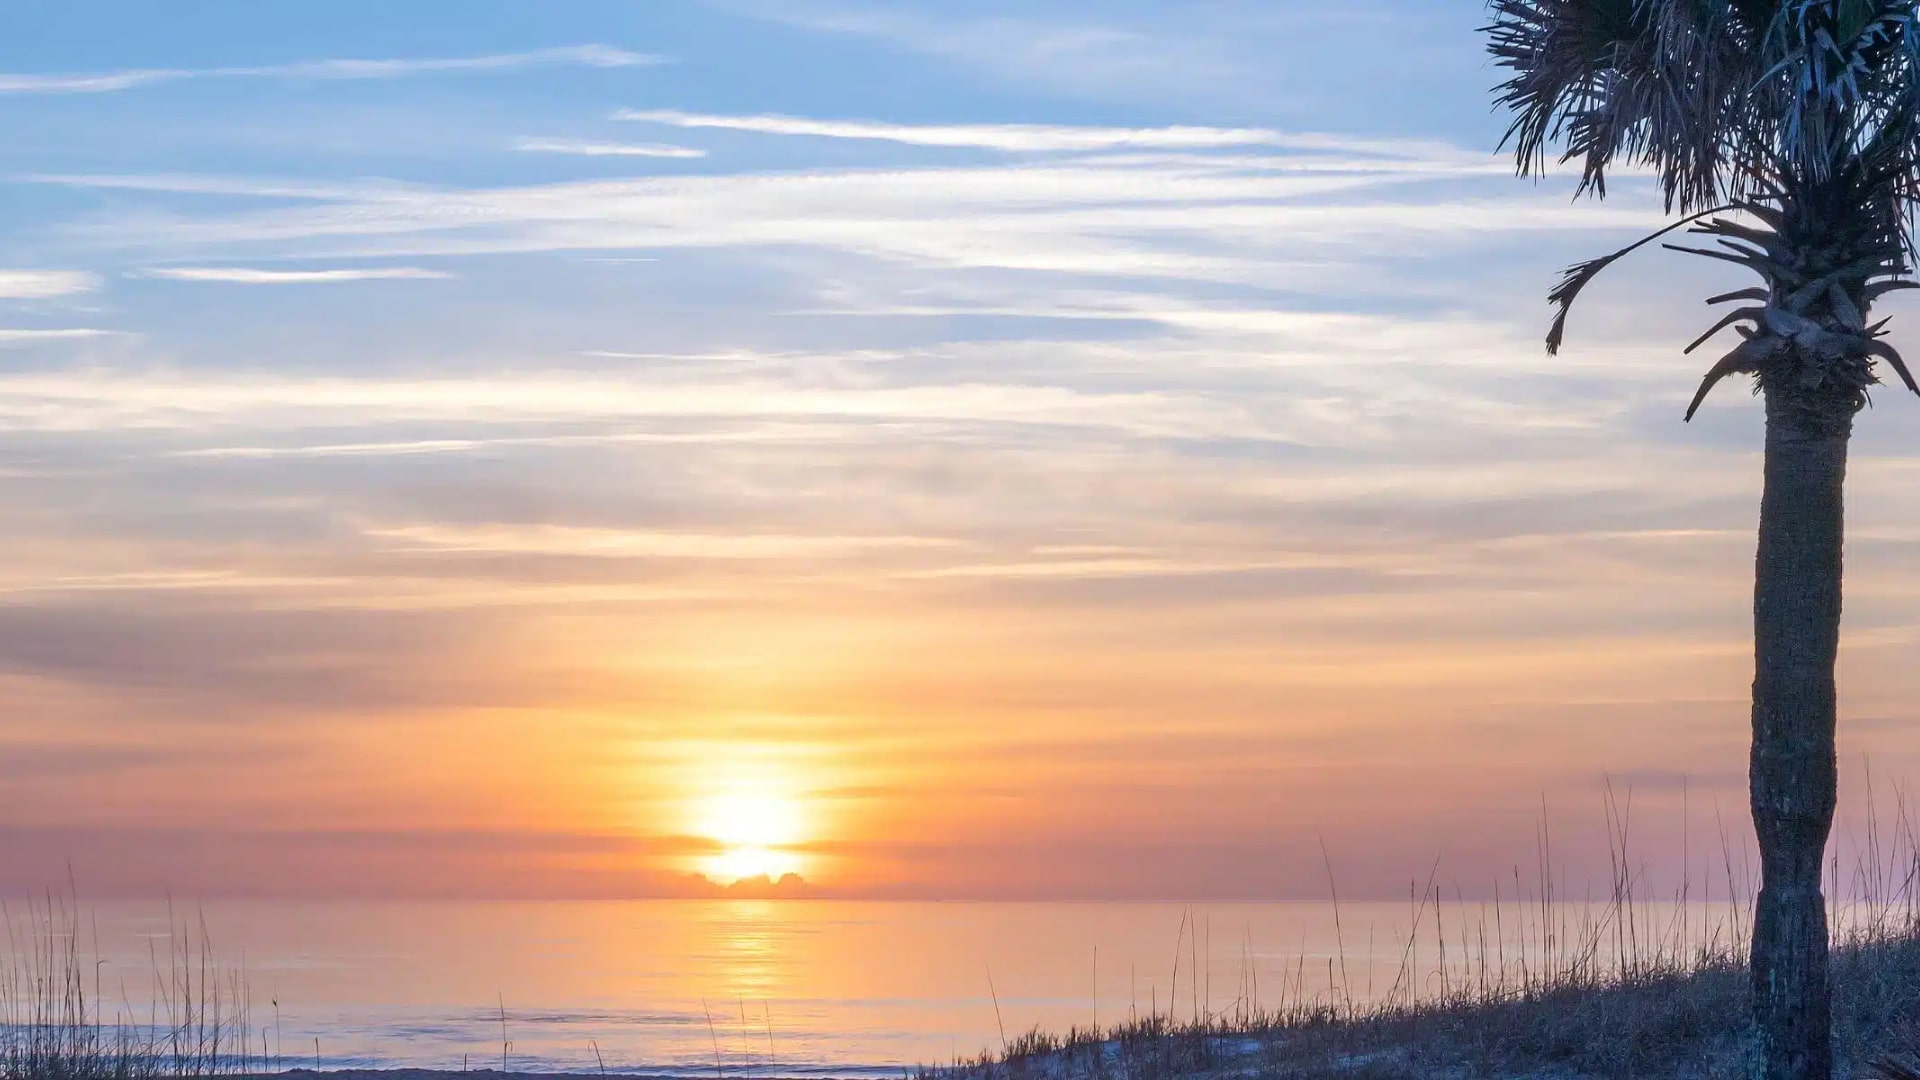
(739, 864)
(745, 818)
(756, 821)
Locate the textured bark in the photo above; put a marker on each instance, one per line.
(1796, 621)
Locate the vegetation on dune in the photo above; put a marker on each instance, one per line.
(1535, 988)
(1683, 1018)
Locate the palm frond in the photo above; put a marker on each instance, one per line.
(1581, 274)
(1749, 314)
(1642, 82)
(1745, 359)
(1890, 1069)
(1893, 358)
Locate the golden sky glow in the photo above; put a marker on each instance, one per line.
(1071, 476)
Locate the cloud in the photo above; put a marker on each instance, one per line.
(1028, 138)
(1103, 59)
(101, 399)
(299, 860)
(240, 275)
(1249, 55)
(166, 641)
(755, 433)
(590, 148)
(1272, 221)
(649, 544)
(250, 187)
(599, 56)
(10, 336)
(45, 284)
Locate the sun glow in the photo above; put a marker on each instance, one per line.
(756, 820)
(738, 864)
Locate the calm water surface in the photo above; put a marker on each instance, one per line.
(747, 987)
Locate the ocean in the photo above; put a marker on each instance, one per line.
(793, 988)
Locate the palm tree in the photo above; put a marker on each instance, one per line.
(1787, 134)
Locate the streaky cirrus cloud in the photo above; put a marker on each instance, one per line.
(45, 284)
(106, 82)
(594, 148)
(1030, 138)
(1249, 54)
(1249, 218)
(244, 275)
(650, 543)
(1062, 50)
(15, 336)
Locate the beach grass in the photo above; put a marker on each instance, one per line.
(1684, 1022)
(61, 1020)
(1527, 986)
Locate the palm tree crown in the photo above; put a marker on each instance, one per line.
(1787, 130)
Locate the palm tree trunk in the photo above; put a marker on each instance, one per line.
(1796, 622)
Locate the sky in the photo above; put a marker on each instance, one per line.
(1042, 450)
